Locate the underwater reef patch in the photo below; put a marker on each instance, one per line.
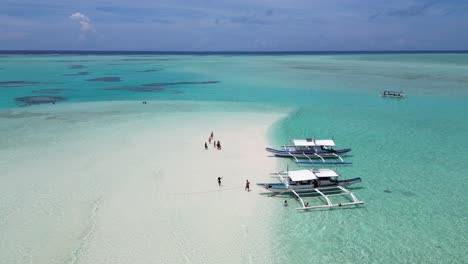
(136, 88)
(77, 67)
(74, 60)
(148, 59)
(77, 74)
(179, 83)
(105, 79)
(40, 99)
(151, 70)
(51, 91)
(17, 83)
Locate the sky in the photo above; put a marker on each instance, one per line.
(236, 25)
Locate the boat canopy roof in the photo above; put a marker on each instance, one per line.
(306, 175)
(314, 142)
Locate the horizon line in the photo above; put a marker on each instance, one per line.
(175, 52)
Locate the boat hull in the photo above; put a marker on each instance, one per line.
(312, 154)
(282, 187)
(393, 96)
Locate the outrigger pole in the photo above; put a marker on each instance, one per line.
(325, 163)
(344, 192)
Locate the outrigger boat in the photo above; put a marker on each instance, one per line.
(311, 148)
(393, 94)
(321, 183)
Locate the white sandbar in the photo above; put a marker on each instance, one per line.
(105, 183)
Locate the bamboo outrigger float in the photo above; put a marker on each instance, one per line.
(314, 150)
(317, 183)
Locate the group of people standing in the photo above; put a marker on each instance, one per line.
(216, 144)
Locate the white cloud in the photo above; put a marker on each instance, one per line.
(84, 21)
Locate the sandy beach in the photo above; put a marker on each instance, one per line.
(118, 185)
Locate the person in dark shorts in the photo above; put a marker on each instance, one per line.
(247, 185)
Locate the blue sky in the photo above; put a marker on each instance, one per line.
(237, 25)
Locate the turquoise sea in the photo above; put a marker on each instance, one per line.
(409, 152)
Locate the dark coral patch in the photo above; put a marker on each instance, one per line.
(143, 59)
(77, 67)
(17, 83)
(151, 70)
(50, 91)
(180, 83)
(136, 88)
(105, 79)
(74, 60)
(77, 74)
(317, 68)
(147, 89)
(41, 99)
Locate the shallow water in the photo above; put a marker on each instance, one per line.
(409, 153)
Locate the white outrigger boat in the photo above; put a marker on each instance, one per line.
(393, 94)
(311, 148)
(318, 183)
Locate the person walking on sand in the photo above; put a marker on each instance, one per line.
(212, 135)
(247, 185)
(219, 180)
(206, 146)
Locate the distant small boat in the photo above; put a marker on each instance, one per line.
(393, 94)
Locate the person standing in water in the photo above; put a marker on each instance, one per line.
(247, 185)
(219, 181)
